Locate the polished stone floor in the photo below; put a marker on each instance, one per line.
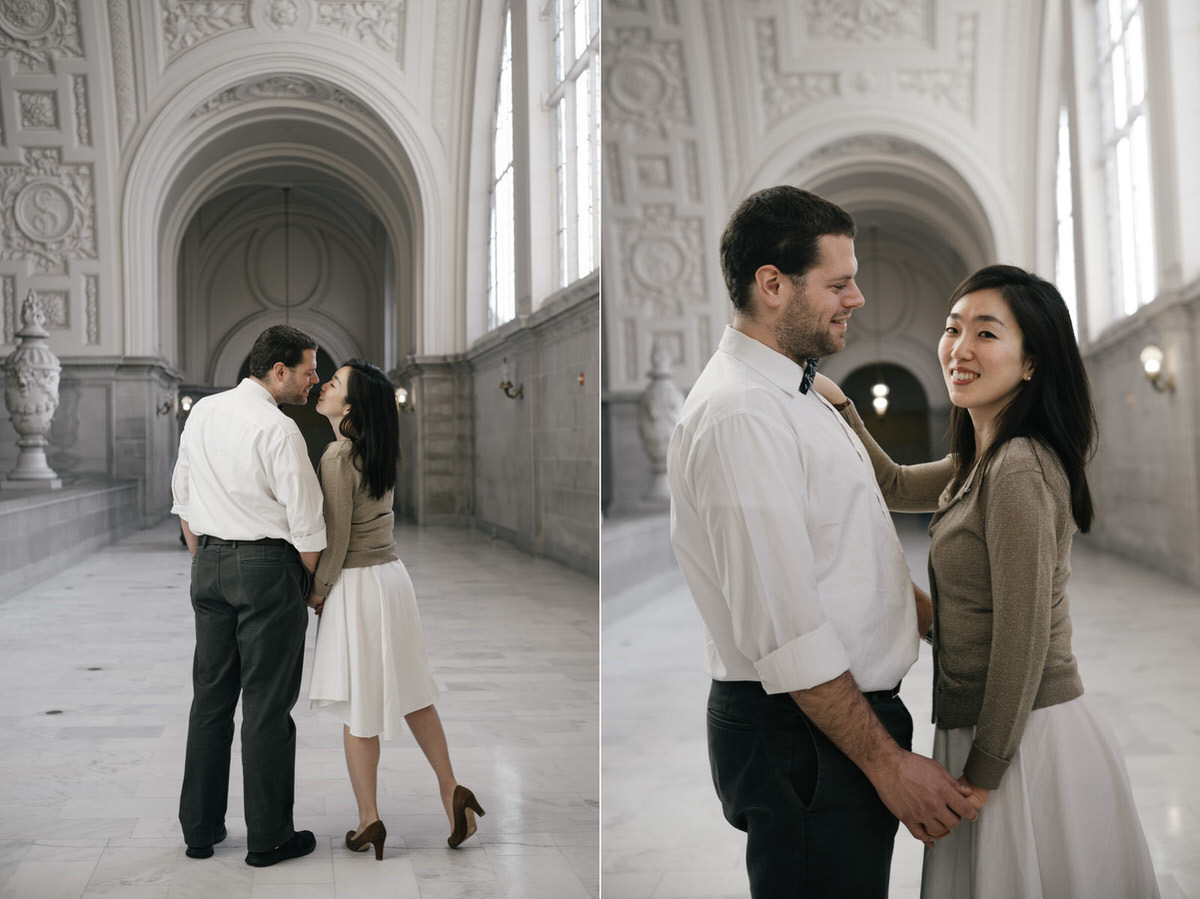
(1137, 635)
(95, 667)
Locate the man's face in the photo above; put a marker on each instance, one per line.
(299, 379)
(819, 304)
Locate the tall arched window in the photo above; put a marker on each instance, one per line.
(502, 289)
(575, 100)
(1125, 137)
(1064, 257)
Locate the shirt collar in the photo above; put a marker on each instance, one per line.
(773, 365)
(256, 391)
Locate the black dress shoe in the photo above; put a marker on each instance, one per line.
(302, 843)
(204, 851)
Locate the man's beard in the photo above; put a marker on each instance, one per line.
(801, 334)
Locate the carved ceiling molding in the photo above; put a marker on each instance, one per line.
(870, 147)
(47, 211)
(8, 288)
(869, 21)
(83, 128)
(645, 91)
(36, 32)
(120, 37)
(186, 23)
(783, 93)
(284, 87)
(949, 86)
(373, 23)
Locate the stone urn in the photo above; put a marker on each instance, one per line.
(658, 411)
(31, 395)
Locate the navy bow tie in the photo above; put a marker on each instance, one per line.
(810, 372)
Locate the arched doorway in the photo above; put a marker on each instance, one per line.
(903, 429)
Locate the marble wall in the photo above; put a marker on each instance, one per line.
(536, 460)
(1146, 477)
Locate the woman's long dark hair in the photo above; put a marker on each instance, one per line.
(373, 425)
(1055, 405)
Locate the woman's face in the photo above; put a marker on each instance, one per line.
(332, 401)
(982, 354)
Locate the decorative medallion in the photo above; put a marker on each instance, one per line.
(644, 89)
(27, 19)
(662, 261)
(47, 211)
(282, 13)
(36, 32)
(44, 211)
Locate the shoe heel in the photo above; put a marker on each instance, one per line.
(473, 804)
(379, 849)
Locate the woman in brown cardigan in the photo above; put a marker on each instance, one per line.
(369, 665)
(1011, 717)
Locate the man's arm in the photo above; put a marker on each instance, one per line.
(916, 789)
(310, 560)
(924, 611)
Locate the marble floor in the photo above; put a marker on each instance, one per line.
(95, 668)
(663, 837)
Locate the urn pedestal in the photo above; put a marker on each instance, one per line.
(31, 396)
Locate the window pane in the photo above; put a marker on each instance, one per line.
(1120, 100)
(501, 255)
(1142, 210)
(583, 181)
(1116, 20)
(1135, 48)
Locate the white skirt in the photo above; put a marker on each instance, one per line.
(1061, 824)
(370, 665)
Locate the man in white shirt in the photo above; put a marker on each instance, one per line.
(250, 505)
(792, 559)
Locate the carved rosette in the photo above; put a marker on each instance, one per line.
(31, 393)
(658, 411)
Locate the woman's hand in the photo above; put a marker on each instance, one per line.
(316, 603)
(978, 796)
(829, 389)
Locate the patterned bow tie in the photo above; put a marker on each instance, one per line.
(810, 372)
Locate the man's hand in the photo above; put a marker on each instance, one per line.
(923, 795)
(189, 538)
(916, 789)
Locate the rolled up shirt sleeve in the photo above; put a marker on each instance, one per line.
(749, 484)
(296, 487)
(180, 484)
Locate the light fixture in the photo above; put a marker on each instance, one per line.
(880, 393)
(402, 399)
(1152, 363)
(507, 386)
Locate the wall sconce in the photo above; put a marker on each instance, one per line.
(184, 401)
(1152, 363)
(402, 401)
(880, 392)
(507, 386)
(165, 407)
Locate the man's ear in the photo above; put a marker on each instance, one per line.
(279, 370)
(768, 284)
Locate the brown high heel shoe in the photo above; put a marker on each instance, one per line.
(465, 806)
(373, 833)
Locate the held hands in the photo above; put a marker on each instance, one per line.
(978, 796)
(316, 603)
(926, 799)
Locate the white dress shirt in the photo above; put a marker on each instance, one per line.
(781, 531)
(244, 474)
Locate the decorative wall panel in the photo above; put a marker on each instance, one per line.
(47, 211)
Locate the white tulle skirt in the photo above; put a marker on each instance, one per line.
(370, 666)
(1062, 823)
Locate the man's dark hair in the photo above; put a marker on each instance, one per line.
(777, 226)
(279, 343)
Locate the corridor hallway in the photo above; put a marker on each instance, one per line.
(95, 664)
(1136, 637)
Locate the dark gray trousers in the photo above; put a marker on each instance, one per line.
(251, 617)
(815, 827)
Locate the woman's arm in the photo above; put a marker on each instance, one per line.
(906, 488)
(338, 480)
